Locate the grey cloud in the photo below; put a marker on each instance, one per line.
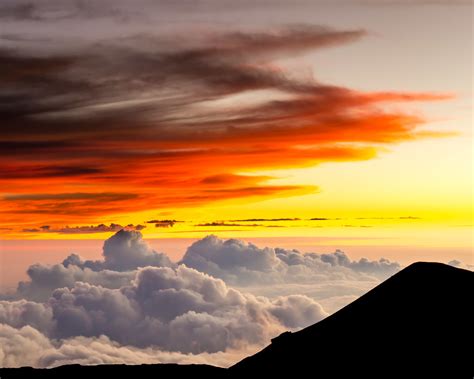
(159, 80)
(44, 279)
(383, 267)
(178, 309)
(212, 254)
(236, 262)
(21, 347)
(414, 2)
(332, 295)
(57, 10)
(27, 313)
(292, 40)
(455, 263)
(241, 263)
(459, 264)
(124, 251)
(296, 310)
(26, 346)
(120, 311)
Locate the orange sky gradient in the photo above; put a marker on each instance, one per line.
(238, 131)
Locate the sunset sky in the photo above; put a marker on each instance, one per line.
(182, 181)
(270, 119)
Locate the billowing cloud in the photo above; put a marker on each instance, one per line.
(135, 303)
(21, 347)
(331, 279)
(44, 279)
(187, 141)
(26, 346)
(27, 313)
(241, 263)
(124, 251)
(261, 271)
(179, 310)
(382, 267)
(136, 306)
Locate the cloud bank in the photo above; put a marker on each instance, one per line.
(241, 263)
(135, 305)
(174, 104)
(175, 310)
(27, 346)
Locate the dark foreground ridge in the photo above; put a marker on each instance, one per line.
(417, 324)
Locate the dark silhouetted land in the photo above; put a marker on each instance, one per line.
(417, 324)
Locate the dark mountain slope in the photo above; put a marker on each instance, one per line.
(419, 323)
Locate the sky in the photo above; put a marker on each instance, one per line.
(342, 129)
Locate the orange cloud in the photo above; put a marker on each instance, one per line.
(131, 129)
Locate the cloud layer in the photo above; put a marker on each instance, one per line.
(241, 263)
(135, 304)
(236, 262)
(27, 346)
(67, 110)
(178, 310)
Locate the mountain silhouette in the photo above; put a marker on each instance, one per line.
(416, 324)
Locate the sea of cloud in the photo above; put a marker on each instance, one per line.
(224, 300)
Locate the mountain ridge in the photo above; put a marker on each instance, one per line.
(402, 324)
